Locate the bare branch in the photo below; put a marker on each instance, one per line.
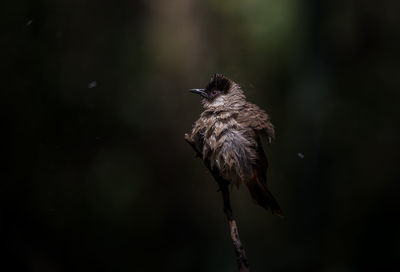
(242, 261)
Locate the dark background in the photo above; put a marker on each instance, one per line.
(97, 175)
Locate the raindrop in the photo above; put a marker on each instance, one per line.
(92, 84)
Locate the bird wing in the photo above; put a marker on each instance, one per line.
(258, 120)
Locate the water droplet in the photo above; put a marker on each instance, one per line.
(92, 84)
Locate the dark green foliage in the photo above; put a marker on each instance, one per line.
(98, 176)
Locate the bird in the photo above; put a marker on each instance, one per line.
(228, 135)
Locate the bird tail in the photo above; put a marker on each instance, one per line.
(263, 197)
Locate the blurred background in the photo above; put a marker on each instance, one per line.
(98, 176)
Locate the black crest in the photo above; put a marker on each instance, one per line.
(219, 82)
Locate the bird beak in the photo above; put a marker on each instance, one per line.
(199, 91)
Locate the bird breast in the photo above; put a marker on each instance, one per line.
(229, 147)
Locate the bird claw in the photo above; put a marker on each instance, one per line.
(188, 138)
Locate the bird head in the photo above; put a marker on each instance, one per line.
(221, 92)
(218, 86)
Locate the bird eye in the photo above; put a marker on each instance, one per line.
(213, 92)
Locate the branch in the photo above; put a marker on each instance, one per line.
(242, 261)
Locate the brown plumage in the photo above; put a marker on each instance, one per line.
(228, 134)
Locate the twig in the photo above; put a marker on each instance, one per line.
(242, 261)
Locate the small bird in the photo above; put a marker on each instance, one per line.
(228, 135)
